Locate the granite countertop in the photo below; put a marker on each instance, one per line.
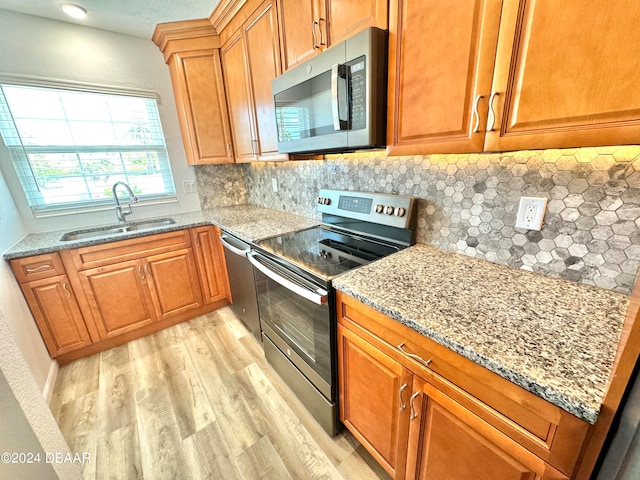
(248, 222)
(554, 338)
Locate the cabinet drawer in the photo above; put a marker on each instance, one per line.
(37, 267)
(541, 427)
(114, 252)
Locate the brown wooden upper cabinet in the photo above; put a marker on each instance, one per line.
(191, 50)
(480, 75)
(309, 26)
(250, 60)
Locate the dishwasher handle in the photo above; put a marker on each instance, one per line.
(318, 296)
(233, 249)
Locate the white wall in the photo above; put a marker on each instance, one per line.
(27, 423)
(12, 303)
(34, 46)
(37, 47)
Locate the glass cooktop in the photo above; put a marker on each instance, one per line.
(325, 252)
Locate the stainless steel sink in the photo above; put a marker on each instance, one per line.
(116, 229)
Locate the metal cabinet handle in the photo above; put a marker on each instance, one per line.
(402, 404)
(46, 266)
(491, 121)
(147, 269)
(229, 150)
(413, 355)
(322, 42)
(66, 291)
(140, 272)
(255, 147)
(313, 32)
(476, 115)
(414, 414)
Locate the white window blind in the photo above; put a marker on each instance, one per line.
(69, 147)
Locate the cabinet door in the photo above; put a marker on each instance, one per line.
(441, 59)
(300, 36)
(118, 297)
(238, 99)
(57, 314)
(263, 58)
(173, 279)
(202, 108)
(374, 396)
(454, 443)
(347, 17)
(211, 264)
(566, 75)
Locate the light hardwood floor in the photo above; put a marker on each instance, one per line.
(197, 400)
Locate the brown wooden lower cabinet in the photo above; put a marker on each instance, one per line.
(373, 400)
(118, 296)
(448, 441)
(419, 424)
(88, 299)
(211, 264)
(56, 312)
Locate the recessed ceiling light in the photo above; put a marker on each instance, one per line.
(73, 10)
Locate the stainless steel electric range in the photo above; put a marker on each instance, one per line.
(296, 302)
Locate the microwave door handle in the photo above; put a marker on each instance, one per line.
(319, 297)
(338, 93)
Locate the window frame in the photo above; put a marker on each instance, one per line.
(22, 168)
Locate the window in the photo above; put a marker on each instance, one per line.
(69, 147)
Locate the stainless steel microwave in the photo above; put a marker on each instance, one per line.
(336, 101)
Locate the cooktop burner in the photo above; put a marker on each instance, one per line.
(325, 252)
(320, 257)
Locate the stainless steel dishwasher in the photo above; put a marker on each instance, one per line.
(241, 282)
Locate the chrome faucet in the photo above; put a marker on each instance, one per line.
(122, 215)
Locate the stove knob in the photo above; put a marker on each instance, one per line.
(319, 201)
(326, 201)
(400, 211)
(389, 210)
(379, 208)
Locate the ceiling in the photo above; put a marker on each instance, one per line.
(131, 17)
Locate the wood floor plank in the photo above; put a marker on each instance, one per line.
(337, 448)
(188, 397)
(295, 446)
(74, 381)
(207, 452)
(118, 455)
(155, 419)
(116, 405)
(234, 357)
(78, 422)
(230, 410)
(202, 403)
(261, 461)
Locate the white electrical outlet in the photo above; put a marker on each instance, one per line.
(189, 186)
(274, 184)
(531, 213)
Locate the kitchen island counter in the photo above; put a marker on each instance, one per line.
(554, 338)
(248, 222)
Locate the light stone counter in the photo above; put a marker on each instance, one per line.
(248, 222)
(554, 338)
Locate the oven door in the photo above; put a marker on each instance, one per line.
(296, 317)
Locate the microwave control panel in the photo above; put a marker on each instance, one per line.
(358, 74)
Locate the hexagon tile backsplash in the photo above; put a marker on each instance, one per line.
(468, 203)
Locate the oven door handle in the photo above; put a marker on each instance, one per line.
(318, 296)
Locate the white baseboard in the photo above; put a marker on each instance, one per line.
(47, 391)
